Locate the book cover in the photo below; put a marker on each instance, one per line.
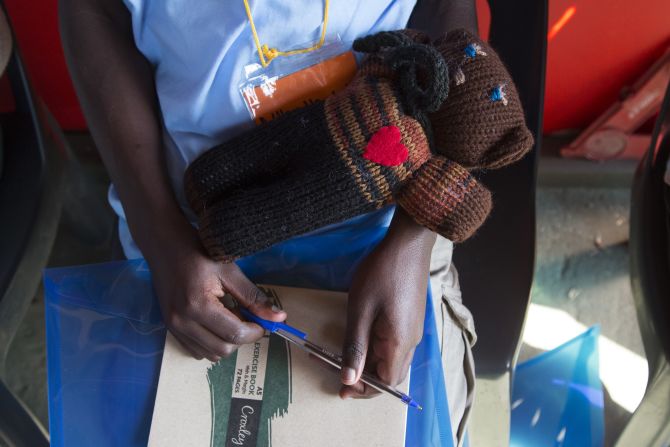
(270, 393)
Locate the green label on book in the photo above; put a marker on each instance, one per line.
(249, 390)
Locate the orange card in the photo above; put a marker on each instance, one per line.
(279, 95)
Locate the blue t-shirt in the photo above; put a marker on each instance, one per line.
(199, 50)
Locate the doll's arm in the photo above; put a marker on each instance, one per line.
(444, 197)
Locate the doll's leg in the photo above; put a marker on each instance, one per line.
(253, 219)
(255, 157)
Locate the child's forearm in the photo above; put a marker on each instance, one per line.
(405, 231)
(117, 93)
(115, 86)
(437, 17)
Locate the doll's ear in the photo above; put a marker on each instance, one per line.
(423, 77)
(408, 57)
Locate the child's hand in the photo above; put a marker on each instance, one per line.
(385, 311)
(190, 286)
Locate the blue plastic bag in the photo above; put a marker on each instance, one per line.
(557, 398)
(105, 340)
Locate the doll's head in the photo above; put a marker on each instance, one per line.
(481, 124)
(459, 89)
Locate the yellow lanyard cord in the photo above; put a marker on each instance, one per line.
(267, 54)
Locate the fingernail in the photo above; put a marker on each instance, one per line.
(275, 309)
(348, 374)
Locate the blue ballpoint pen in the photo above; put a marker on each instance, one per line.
(299, 338)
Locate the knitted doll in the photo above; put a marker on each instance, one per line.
(391, 136)
(480, 126)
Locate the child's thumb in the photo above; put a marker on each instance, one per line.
(355, 348)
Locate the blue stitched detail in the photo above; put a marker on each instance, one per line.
(497, 94)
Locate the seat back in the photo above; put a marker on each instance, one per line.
(496, 266)
(31, 190)
(650, 281)
(650, 243)
(17, 424)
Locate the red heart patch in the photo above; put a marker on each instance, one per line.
(385, 147)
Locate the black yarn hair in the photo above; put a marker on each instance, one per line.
(382, 40)
(423, 74)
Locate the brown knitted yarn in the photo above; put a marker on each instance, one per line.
(367, 146)
(481, 124)
(311, 167)
(444, 197)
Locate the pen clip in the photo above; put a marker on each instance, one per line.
(271, 326)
